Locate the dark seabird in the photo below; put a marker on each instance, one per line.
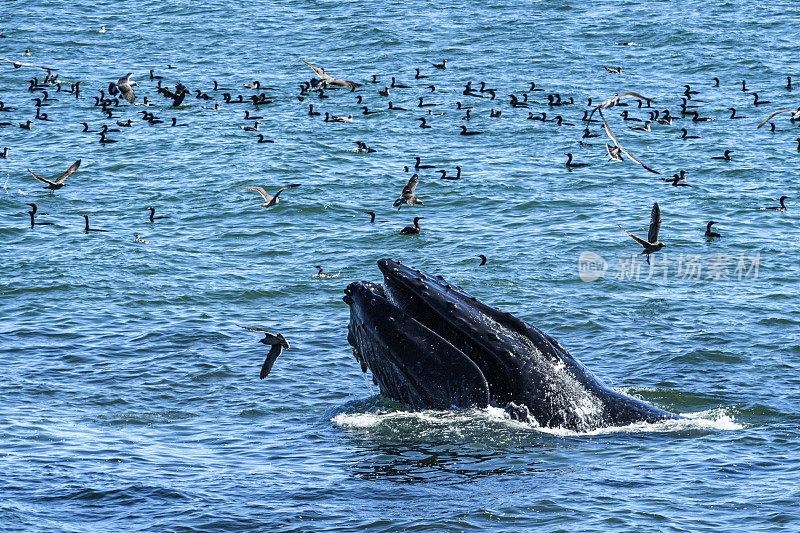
(175, 123)
(311, 111)
(396, 85)
(756, 101)
(368, 112)
(711, 234)
(103, 139)
(321, 274)
(26, 125)
(652, 243)
(276, 343)
(152, 215)
(32, 213)
(87, 229)
(781, 207)
(716, 82)
(789, 83)
(418, 76)
(4, 153)
(571, 165)
(408, 196)
(262, 140)
(465, 132)
(391, 107)
(744, 86)
(726, 157)
(424, 124)
(270, 200)
(685, 135)
(418, 166)
(247, 115)
(733, 113)
(371, 216)
(58, 183)
(421, 104)
(412, 230)
(446, 177)
(483, 259)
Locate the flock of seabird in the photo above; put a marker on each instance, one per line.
(108, 104)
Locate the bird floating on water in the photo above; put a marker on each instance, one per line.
(412, 230)
(711, 234)
(86, 228)
(781, 207)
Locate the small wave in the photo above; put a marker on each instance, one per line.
(711, 420)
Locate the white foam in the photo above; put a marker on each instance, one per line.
(714, 420)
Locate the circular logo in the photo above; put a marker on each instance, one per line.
(591, 266)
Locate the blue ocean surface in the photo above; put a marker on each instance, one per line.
(130, 398)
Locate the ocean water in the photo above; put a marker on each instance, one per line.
(131, 399)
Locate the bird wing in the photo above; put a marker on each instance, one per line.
(611, 102)
(124, 86)
(608, 129)
(69, 171)
(777, 113)
(411, 185)
(41, 178)
(18, 64)
(290, 186)
(630, 155)
(262, 192)
(254, 328)
(272, 356)
(319, 72)
(641, 241)
(655, 224)
(616, 143)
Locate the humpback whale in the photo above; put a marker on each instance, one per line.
(430, 345)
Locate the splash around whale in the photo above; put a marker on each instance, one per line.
(430, 345)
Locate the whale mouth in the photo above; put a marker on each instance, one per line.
(431, 345)
(409, 361)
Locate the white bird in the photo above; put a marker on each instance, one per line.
(125, 87)
(269, 201)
